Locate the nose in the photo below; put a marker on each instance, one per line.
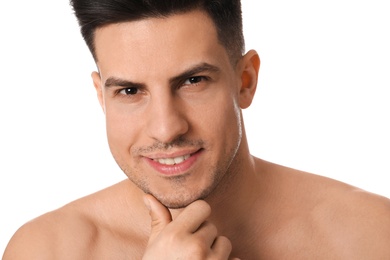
(166, 120)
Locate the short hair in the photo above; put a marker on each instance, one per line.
(225, 14)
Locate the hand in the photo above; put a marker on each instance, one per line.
(189, 236)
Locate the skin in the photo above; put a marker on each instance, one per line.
(167, 106)
(225, 203)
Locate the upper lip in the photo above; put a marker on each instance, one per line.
(172, 154)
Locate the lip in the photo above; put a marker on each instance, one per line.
(176, 169)
(172, 154)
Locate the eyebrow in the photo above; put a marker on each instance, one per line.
(202, 67)
(118, 82)
(198, 68)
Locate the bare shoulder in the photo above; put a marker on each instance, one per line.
(326, 217)
(47, 235)
(93, 225)
(353, 224)
(360, 222)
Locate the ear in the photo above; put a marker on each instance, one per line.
(97, 83)
(250, 65)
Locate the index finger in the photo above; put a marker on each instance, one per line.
(192, 217)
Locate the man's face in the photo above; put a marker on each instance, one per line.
(170, 96)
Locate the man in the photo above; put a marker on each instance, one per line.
(172, 80)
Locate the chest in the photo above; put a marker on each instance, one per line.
(113, 245)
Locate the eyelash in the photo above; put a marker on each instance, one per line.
(198, 79)
(125, 90)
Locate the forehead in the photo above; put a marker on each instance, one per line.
(156, 45)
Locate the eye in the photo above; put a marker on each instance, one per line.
(129, 91)
(194, 80)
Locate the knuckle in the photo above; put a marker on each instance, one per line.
(226, 242)
(198, 249)
(173, 238)
(213, 228)
(210, 227)
(202, 205)
(206, 207)
(156, 224)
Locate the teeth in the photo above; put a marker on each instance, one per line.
(172, 161)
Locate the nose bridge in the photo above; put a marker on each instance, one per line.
(166, 122)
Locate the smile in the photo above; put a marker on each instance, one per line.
(172, 161)
(174, 164)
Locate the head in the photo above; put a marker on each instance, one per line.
(225, 14)
(171, 94)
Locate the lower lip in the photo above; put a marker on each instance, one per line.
(176, 169)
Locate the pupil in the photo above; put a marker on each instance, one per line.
(131, 91)
(194, 79)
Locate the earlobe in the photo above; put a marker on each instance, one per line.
(98, 87)
(249, 74)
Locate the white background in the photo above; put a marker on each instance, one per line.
(322, 103)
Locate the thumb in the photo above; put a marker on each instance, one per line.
(160, 216)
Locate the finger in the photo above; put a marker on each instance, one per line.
(160, 216)
(222, 247)
(192, 217)
(207, 232)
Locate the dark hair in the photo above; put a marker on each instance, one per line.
(226, 15)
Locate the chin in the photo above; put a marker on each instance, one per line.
(178, 201)
(179, 198)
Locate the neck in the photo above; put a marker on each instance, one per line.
(233, 202)
(233, 199)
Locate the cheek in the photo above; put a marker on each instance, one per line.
(222, 119)
(121, 130)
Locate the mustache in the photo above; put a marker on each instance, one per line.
(160, 146)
